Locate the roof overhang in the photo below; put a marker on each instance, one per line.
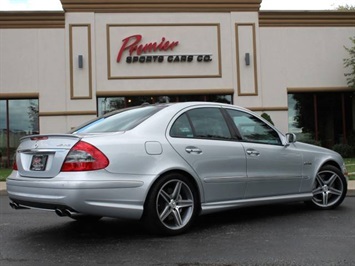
(160, 5)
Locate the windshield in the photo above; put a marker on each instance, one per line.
(121, 120)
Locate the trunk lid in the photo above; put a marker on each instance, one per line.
(42, 156)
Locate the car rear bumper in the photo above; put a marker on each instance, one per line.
(110, 198)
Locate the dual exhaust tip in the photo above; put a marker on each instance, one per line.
(63, 212)
(59, 212)
(15, 206)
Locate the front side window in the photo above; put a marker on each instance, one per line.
(253, 129)
(204, 123)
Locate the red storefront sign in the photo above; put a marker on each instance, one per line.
(132, 44)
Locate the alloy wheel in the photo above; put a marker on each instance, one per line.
(328, 189)
(175, 204)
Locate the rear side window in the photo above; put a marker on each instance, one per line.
(206, 123)
(122, 120)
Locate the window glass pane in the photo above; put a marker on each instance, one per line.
(23, 120)
(3, 134)
(109, 104)
(181, 128)
(120, 121)
(349, 111)
(220, 98)
(139, 100)
(23, 116)
(301, 116)
(209, 123)
(253, 129)
(330, 118)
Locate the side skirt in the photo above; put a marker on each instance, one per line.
(227, 205)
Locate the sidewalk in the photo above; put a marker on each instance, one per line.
(351, 188)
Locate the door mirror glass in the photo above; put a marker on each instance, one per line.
(290, 138)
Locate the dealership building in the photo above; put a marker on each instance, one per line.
(60, 69)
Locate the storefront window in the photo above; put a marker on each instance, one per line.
(18, 118)
(325, 119)
(108, 104)
(301, 116)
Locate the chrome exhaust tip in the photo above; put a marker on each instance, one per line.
(60, 213)
(13, 205)
(16, 206)
(63, 212)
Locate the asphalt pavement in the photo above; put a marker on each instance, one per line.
(351, 188)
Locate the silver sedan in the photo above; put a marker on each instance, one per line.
(168, 163)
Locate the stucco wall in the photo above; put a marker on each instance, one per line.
(288, 52)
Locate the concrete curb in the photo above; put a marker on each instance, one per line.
(351, 188)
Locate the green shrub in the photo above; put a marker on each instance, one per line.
(267, 118)
(344, 150)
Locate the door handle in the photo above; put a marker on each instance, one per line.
(252, 152)
(191, 149)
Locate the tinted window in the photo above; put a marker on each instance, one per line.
(253, 129)
(201, 123)
(182, 128)
(123, 120)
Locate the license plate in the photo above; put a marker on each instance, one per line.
(39, 162)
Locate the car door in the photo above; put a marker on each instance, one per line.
(272, 168)
(203, 139)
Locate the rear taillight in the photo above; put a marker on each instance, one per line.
(14, 165)
(84, 157)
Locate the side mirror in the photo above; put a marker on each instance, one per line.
(290, 138)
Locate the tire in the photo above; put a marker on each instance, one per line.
(171, 205)
(329, 188)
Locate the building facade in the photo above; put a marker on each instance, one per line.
(60, 69)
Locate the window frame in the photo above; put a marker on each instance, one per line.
(232, 127)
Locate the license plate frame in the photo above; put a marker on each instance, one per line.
(39, 162)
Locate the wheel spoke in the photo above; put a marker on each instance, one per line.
(320, 180)
(165, 196)
(335, 191)
(177, 190)
(177, 217)
(325, 198)
(184, 203)
(331, 180)
(317, 191)
(165, 213)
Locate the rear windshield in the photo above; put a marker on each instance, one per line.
(121, 120)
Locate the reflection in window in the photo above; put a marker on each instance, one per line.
(301, 116)
(324, 118)
(253, 129)
(18, 118)
(120, 121)
(108, 104)
(205, 123)
(209, 123)
(182, 128)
